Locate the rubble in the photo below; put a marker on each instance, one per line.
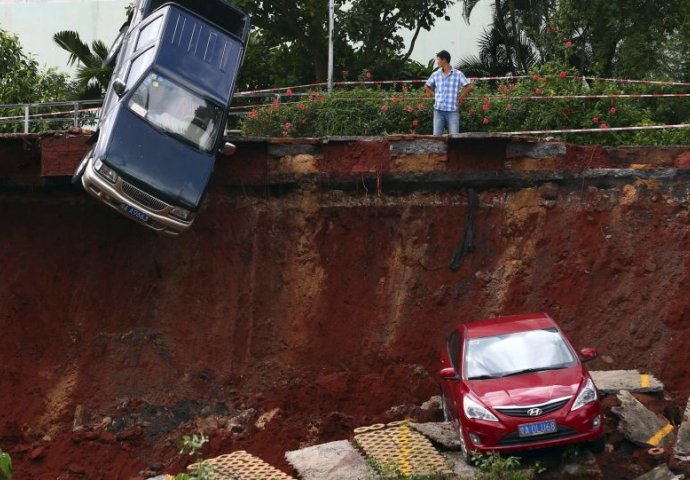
(335, 461)
(640, 425)
(441, 433)
(661, 472)
(611, 381)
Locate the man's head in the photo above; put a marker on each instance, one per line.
(442, 58)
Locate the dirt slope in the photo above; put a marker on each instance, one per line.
(330, 306)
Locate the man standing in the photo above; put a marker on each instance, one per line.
(444, 84)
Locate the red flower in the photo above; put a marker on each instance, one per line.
(420, 106)
(253, 114)
(485, 121)
(613, 110)
(562, 74)
(405, 89)
(535, 76)
(384, 108)
(289, 91)
(287, 124)
(595, 120)
(285, 133)
(538, 91)
(415, 122)
(302, 106)
(368, 74)
(486, 107)
(603, 126)
(410, 109)
(568, 44)
(395, 99)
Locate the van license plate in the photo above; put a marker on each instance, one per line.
(539, 428)
(134, 212)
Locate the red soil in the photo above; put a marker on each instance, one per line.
(330, 307)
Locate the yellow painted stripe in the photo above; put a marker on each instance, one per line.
(405, 449)
(644, 380)
(656, 439)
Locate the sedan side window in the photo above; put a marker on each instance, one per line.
(454, 349)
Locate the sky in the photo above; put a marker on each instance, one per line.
(35, 22)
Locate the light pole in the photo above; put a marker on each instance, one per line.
(331, 22)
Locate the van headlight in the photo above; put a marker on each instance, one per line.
(474, 409)
(105, 171)
(181, 213)
(588, 394)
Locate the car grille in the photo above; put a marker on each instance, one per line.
(515, 439)
(545, 408)
(142, 197)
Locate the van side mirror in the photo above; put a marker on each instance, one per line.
(448, 374)
(588, 354)
(228, 149)
(119, 87)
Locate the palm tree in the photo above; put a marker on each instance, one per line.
(93, 74)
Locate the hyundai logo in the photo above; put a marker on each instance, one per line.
(534, 412)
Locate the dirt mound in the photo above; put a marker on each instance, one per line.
(323, 307)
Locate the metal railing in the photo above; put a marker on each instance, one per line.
(49, 115)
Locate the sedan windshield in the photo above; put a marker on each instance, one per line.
(516, 353)
(177, 111)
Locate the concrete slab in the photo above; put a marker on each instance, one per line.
(611, 381)
(440, 433)
(661, 472)
(639, 424)
(682, 448)
(334, 460)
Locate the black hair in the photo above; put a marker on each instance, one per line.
(444, 55)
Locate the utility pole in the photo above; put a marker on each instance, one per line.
(331, 22)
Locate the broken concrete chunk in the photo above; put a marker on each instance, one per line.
(661, 472)
(418, 147)
(335, 461)
(640, 425)
(441, 433)
(460, 468)
(682, 448)
(611, 381)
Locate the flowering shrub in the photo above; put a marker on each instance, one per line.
(491, 107)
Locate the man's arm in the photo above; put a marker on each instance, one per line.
(428, 91)
(464, 92)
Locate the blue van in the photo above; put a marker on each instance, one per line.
(165, 111)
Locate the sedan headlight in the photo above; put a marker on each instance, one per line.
(588, 394)
(105, 171)
(474, 409)
(181, 213)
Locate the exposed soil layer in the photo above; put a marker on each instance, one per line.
(328, 306)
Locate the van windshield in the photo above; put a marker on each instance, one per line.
(177, 111)
(516, 353)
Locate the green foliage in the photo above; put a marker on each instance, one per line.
(93, 74)
(192, 446)
(5, 466)
(290, 39)
(491, 107)
(493, 466)
(377, 471)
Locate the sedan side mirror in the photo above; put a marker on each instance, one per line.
(228, 149)
(588, 354)
(448, 374)
(119, 87)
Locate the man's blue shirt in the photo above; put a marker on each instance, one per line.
(446, 88)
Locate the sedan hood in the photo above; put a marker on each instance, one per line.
(156, 162)
(528, 389)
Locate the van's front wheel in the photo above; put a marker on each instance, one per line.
(79, 172)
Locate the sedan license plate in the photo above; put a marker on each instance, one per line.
(134, 212)
(538, 428)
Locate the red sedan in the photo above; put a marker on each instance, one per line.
(516, 383)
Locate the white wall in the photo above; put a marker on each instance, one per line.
(455, 36)
(35, 22)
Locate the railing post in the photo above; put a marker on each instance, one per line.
(76, 114)
(26, 118)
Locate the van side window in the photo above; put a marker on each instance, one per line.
(149, 33)
(454, 349)
(139, 66)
